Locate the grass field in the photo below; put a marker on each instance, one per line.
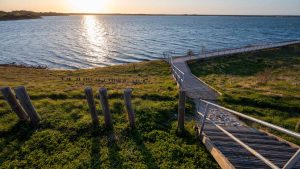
(66, 137)
(263, 84)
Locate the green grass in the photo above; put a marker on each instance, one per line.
(66, 137)
(263, 84)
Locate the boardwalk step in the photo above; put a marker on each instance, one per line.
(255, 146)
(278, 160)
(235, 131)
(250, 140)
(239, 135)
(243, 136)
(271, 154)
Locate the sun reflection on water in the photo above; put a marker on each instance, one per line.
(94, 34)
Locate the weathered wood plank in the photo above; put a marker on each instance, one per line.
(25, 101)
(91, 103)
(105, 107)
(181, 110)
(128, 104)
(14, 104)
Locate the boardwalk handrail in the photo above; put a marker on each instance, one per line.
(226, 51)
(177, 73)
(247, 48)
(252, 151)
(269, 125)
(288, 165)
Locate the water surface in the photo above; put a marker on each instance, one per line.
(70, 42)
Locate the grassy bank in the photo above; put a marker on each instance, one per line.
(264, 84)
(66, 138)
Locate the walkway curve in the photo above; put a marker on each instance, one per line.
(242, 146)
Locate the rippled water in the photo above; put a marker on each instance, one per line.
(69, 42)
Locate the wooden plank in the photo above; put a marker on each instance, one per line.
(91, 103)
(181, 110)
(281, 140)
(14, 104)
(105, 107)
(130, 111)
(25, 101)
(217, 154)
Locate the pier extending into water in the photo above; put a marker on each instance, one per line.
(230, 141)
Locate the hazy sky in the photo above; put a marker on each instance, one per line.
(264, 7)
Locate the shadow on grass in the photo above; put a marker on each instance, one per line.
(186, 136)
(113, 150)
(95, 149)
(20, 133)
(147, 157)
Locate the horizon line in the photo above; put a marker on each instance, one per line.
(159, 14)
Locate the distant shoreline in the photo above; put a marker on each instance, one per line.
(18, 15)
(70, 14)
(22, 15)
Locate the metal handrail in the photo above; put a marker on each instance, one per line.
(252, 151)
(247, 48)
(288, 165)
(178, 74)
(269, 125)
(293, 159)
(235, 50)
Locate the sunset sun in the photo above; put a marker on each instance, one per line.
(88, 6)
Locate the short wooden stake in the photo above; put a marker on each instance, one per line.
(181, 110)
(105, 107)
(14, 104)
(130, 111)
(92, 107)
(27, 105)
(297, 128)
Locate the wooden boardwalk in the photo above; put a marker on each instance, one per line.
(232, 143)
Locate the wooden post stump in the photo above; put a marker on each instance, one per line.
(105, 107)
(181, 110)
(14, 104)
(27, 105)
(297, 128)
(130, 111)
(92, 107)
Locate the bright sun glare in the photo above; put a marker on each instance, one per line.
(88, 6)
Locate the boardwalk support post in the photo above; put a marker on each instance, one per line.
(27, 105)
(92, 107)
(181, 110)
(105, 107)
(291, 163)
(297, 128)
(130, 111)
(14, 104)
(203, 120)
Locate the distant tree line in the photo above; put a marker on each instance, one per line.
(16, 15)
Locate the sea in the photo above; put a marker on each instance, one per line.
(88, 41)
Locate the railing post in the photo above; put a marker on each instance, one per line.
(203, 120)
(92, 107)
(130, 111)
(27, 105)
(14, 104)
(105, 107)
(181, 110)
(291, 163)
(297, 128)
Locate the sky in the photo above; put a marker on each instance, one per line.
(216, 7)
